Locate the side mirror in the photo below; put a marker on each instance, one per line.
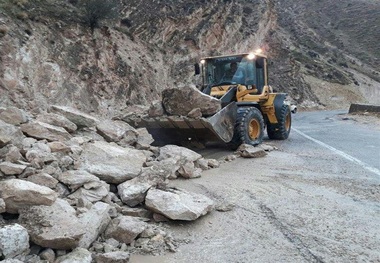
(197, 69)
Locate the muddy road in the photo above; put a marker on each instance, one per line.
(315, 199)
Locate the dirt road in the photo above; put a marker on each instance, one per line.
(309, 201)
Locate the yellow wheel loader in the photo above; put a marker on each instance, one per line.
(249, 105)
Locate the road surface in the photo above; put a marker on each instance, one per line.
(315, 199)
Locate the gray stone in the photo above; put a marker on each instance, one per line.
(136, 212)
(57, 120)
(75, 179)
(249, 151)
(186, 155)
(195, 113)
(14, 241)
(125, 229)
(41, 130)
(111, 163)
(10, 134)
(12, 169)
(59, 147)
(180, 101)
(156, 109)
(92, 194)
(144, 139)
(48, 255)
(79, 255)
(212, 163)
(13, 155)
(178, 204)
(116, 131)
(188, 170)
(19, 193)
(13, 116)
(113, 257)
(94, 223)
(133, 192)
(55, 226)
(43, 179)
(79, 118)
(2, 206)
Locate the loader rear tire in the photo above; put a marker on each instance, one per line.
(281, 130)
(249, 127)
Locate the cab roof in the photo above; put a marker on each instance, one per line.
(235, 55)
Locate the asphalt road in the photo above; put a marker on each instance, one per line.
(315, 199)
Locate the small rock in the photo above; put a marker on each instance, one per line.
(41, 130)
(195, 113)
(48, 255)
(249, 151)
(13, 116)
(79, 255)
(57, 120)
(113, 257)
(125, 229)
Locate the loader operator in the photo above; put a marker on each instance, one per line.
(233, 73)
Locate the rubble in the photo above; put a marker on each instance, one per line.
(81, 189)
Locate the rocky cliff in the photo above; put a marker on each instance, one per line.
(323, 53)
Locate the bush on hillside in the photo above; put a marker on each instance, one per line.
(97, 10)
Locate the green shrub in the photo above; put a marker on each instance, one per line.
(95, 11)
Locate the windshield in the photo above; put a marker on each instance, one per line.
(229, 70)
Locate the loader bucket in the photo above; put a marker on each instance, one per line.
(181, 129)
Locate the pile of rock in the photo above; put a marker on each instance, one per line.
(74, 188)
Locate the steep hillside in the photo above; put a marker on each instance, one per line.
(323, 53)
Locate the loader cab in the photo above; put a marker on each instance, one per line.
(220, 73)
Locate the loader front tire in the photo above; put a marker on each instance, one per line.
(281, 130)
(249, 127)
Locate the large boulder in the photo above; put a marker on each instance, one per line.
(43, 179)
(186, 155)
(180, 101)
(125, 229)
(178, 204)
(117, 131)
(10, 134)
(79, 118)
(111, 163)
(55, 226)
(19, 193)
(11, 168)
(41, 130)
(57, 120)
(13, 116)
(14, 241)
(94, 223)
